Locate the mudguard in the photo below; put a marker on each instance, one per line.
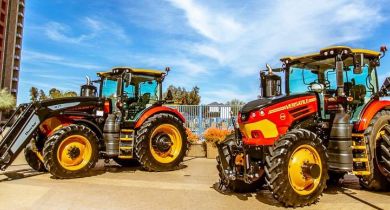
(370, 111)
(156, 110)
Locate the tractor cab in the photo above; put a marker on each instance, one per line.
(335, 73)
(132, 90)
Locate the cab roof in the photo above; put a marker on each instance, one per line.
(329, 51)
(137, 71)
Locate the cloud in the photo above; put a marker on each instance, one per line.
(268, 30)
(34, 57)
(214, 25)
(60, 33)
(95, 28)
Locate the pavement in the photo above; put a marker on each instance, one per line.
(193, 187)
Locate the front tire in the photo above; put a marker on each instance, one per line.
(377, 137)
(161, 143)
(237, 186)
(296, 168)
(71, 152)
(32, 159)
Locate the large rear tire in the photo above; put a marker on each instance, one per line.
(71, 152)
(32, 159)
(161, 143)
(296, 169)
(237, 186)
(377, 136)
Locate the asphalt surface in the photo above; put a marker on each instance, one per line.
(193, 187)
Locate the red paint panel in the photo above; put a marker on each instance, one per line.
(369, 112)
(156, 110)
(283, 114)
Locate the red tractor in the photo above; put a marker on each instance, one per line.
(333, 119)
(125, 120)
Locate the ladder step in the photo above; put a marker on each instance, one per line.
(126, 139)
(126, 148)
(360, 135)
(125, 157)
(361, 173)
(127, 130)
(360, 159)
(359, 147)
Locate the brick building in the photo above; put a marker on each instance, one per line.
(11, 33)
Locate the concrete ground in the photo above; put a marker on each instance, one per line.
(112, 187)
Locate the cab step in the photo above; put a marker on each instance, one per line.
(126, 143)
(361, 163)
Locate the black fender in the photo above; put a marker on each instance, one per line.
(94, 127)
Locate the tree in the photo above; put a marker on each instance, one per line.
(69, 94)
(55, 93)
(235, 102)
(7, 100)
(34, 93)
(193, 96)
(42, 95)
(181, 96)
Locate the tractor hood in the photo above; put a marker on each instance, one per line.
(265, 102)
(77, 104)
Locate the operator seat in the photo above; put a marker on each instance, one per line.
(144, 99)
(358, 93)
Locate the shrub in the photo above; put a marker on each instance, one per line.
(191, 136)
(215, 135)
(7, 101)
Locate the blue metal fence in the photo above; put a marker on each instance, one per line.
(201, 117)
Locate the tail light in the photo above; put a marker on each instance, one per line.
(107, 107)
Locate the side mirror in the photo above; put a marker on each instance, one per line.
(127, 78)
(358, 63)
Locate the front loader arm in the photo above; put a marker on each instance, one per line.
(17, 132)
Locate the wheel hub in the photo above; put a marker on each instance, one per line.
(311, 170)
(304, 169)
(162, 142)
(73, 152)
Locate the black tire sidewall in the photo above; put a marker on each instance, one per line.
(377, 180)
(50, 157)
(324, 172)
(32, 159)
(145, 140)
(277, 167)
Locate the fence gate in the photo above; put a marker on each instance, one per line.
(200, 117)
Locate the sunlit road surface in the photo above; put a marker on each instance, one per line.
(193, 187)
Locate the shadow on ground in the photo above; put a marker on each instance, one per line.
(19, 174)
(261, 194)
(344, 187)
(111, 167)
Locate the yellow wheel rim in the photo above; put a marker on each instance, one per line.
(172, 143)
(74, 152)
(303, 155)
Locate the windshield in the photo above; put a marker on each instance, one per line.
(300, 79)
(109, 88)
(148, 90)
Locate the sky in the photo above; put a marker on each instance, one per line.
(219, 46)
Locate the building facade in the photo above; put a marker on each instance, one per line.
(11, 33)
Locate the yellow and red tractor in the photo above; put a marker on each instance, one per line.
(333, 119)
(125, 120)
